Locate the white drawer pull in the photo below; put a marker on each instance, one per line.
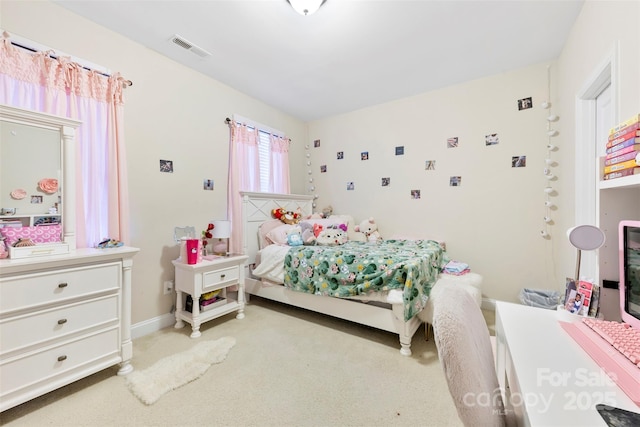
(62, 321)
(62, 358)
(63, 285)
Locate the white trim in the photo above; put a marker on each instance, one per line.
(152, 325)
(587, 194)
(23, 41)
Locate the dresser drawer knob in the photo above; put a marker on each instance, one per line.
(62, 358)
(62, 321)
(63, 285)
(222, 276)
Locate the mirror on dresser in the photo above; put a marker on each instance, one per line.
(37, 182)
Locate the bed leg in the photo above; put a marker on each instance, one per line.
(405, 346)
(428, 331)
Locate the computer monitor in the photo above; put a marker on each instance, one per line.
(629, 259)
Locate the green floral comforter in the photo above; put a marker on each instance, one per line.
(359, 268)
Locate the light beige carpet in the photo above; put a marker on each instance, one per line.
(289, 367)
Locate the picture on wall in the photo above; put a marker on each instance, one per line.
(386, 181)
(316, 143)
(452, 142)
(323, 168)
(430, 165)
(364, 155)
(491, 139)
(415, 194)
(350, 186)
(400, 151)
(166, 166)
(525, 103)
(518, 161)
(36, 199)
(340, 155)
(455, 181)
(208, 184)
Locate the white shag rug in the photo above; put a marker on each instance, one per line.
(177, 370)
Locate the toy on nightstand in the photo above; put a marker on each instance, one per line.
(370, 229)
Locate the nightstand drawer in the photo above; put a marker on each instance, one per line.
(220, 278)
(19, 332)
(50, 287)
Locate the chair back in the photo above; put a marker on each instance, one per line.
(466, 356)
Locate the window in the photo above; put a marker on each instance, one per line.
(264, 148)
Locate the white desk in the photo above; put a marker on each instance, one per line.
(547, 379)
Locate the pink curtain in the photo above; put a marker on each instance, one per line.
(38, 82)
(244, 173)
(279, 179)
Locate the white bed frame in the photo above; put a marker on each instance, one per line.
(256, 209)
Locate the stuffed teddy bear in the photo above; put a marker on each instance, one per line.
(288, 217)
(370, 229)
(294, 236)
(332, 236)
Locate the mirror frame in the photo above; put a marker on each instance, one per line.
(67, 129)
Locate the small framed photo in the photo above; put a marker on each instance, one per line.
(430, 165)
(350, 186)
(452, 142)
(400, 151)
(36, 199)
(525, 103)
(207, 184)
(364, 155)
(455, 181)
(415, 194)
(166, 166)
(518, 161)
(340, 155)
(323, 168)
(386, 181)
(316, 143)
(491, 139)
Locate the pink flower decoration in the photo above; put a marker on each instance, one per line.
(48, 185)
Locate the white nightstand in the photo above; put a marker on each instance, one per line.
(208, 276)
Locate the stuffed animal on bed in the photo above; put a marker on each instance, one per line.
(294, 236)
(370, 229)
(308, 236)
(331, 236)
(288, 217)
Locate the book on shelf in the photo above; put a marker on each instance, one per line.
(625, 150)
(621, 173)
(624, 131)
(629, 164)
(212, 303)
(623, 137)
(630, 121)
(623, 158)
(631, 142)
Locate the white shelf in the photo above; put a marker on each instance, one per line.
(624, 182)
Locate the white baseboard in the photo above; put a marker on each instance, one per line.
(149, 326)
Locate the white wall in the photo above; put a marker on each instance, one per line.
(493, 220)
(171, 113)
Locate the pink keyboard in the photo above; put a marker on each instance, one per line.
(615, 347)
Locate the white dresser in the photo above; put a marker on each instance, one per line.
(63, 318)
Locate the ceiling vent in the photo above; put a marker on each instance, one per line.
(186, 44)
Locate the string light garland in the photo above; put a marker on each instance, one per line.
(549, 162)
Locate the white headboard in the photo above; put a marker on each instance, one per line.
(257, 207)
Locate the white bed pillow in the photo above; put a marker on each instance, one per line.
(264, 229)
(278, 235)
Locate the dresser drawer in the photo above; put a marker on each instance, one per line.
(25, 330)
(21, 372)
(49, 287)
(217, 279)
